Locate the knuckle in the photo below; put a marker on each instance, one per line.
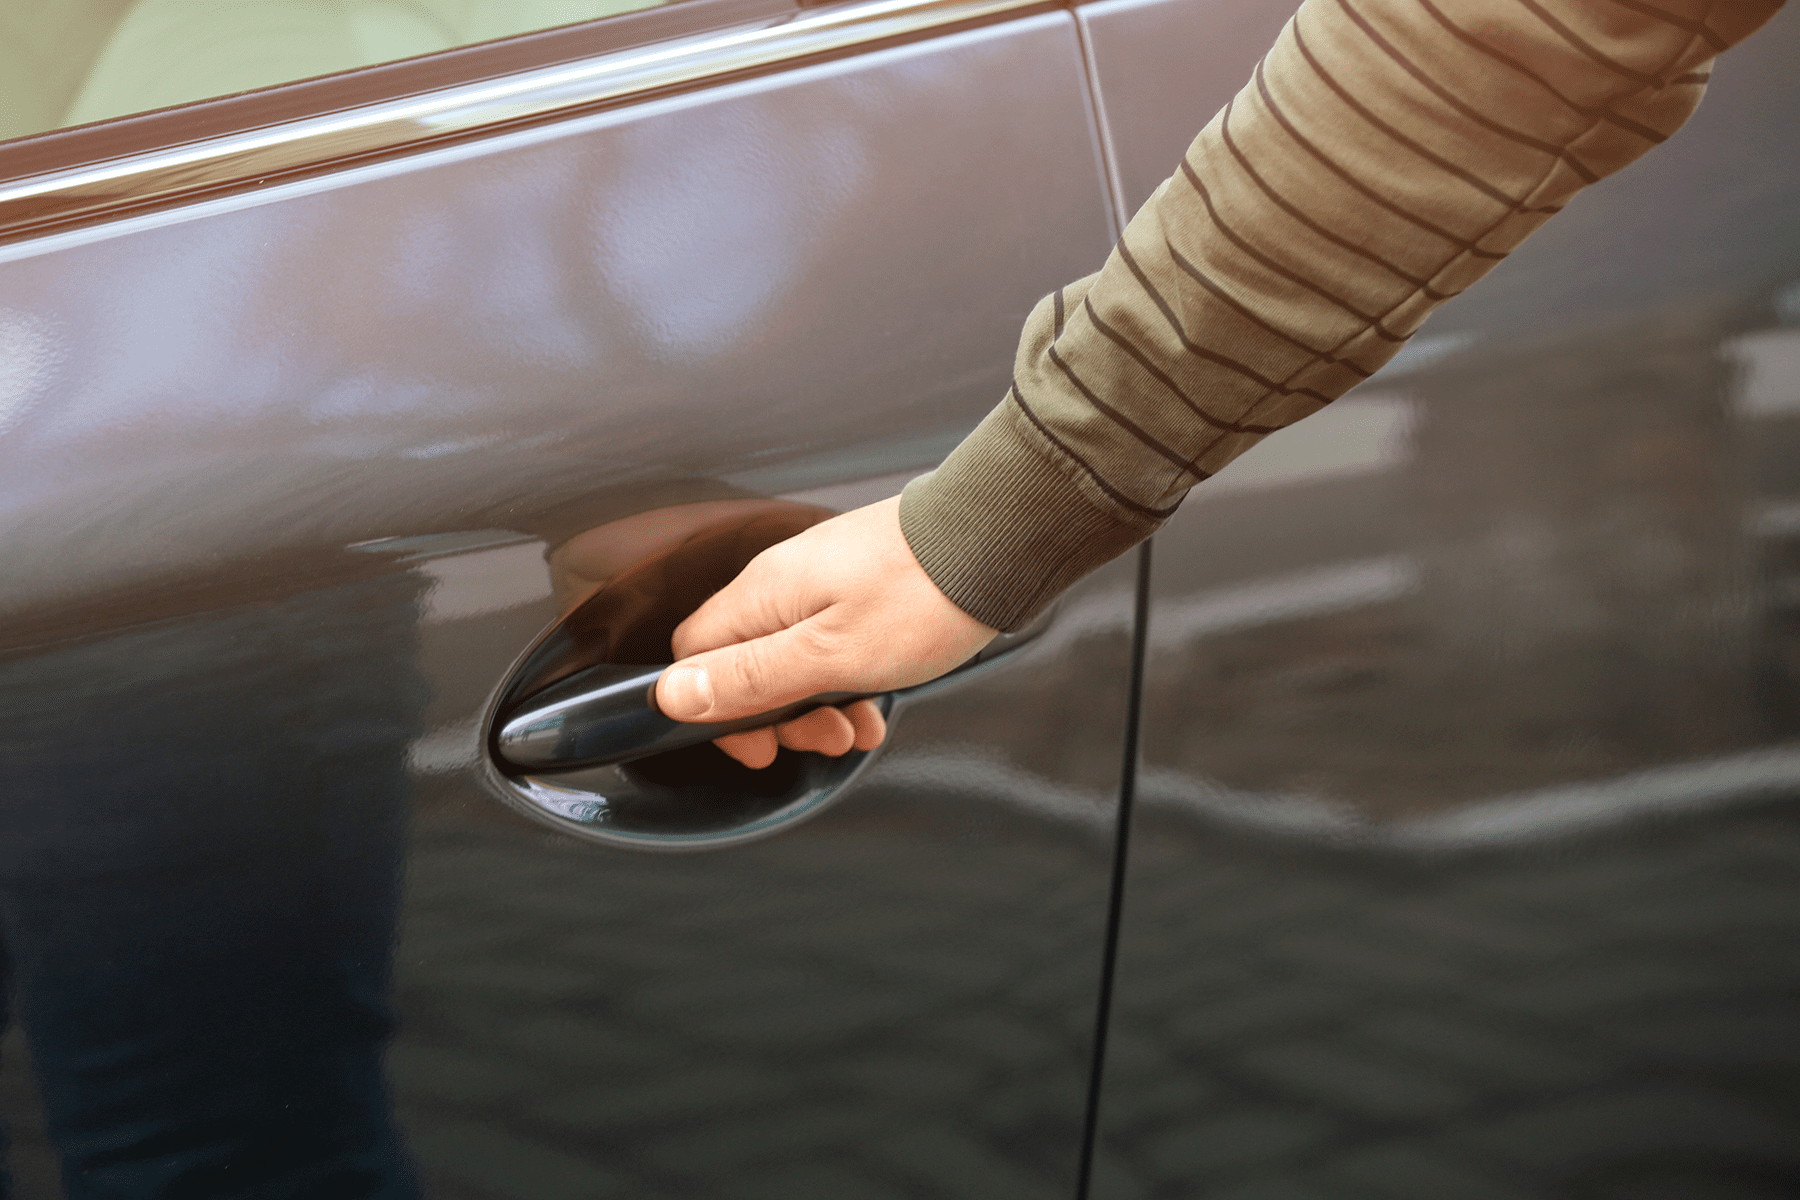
(753, 672)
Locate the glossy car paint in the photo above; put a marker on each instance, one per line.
(1422, 901)
(1465, 835)
(282, 470)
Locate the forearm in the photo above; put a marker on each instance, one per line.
(1384, 157)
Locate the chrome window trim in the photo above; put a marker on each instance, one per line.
(36, 204)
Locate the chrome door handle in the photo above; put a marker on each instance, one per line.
(607, 714)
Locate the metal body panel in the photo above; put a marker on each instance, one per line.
(282, 473)
(473, 338)
(1466, 826)
(894, 999)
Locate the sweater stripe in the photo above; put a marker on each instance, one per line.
(1293, 211)
(1263, 260)
(1250, 314)
(1124, 422)
(1500, 56)
(1381, 159)
(1699, 29)
(1642, 79)
(1199, 351)
(1119, 497)
(1341, 172)
(1157, 373)
(1443, 164)
(1435, 88)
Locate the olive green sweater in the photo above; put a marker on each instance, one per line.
(1383, 157)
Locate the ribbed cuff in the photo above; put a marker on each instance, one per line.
(1008, 522)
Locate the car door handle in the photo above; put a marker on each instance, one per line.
(607, 714)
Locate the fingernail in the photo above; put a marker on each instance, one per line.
(686, 692)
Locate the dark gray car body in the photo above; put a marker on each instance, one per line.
(1462, 849)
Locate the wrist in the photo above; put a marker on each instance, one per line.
(1007, 523)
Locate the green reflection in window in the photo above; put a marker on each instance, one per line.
(67, 62)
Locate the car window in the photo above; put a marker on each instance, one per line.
(77, 61)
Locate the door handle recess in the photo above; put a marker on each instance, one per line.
(573, 738)
(607, 714)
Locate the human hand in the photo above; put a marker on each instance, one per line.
(841, 607)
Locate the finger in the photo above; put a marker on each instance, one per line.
(751, 677)
(823, 730)
(761, 600)
(755, 748)
(869, 725)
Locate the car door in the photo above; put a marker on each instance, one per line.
(320, 405)
(1465, 832)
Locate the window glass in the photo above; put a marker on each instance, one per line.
(67, 62)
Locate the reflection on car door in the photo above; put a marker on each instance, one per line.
(293, 476)
(1465, 844)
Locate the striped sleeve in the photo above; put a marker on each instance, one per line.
(1382, 158)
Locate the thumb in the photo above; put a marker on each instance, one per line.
(744, 679)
